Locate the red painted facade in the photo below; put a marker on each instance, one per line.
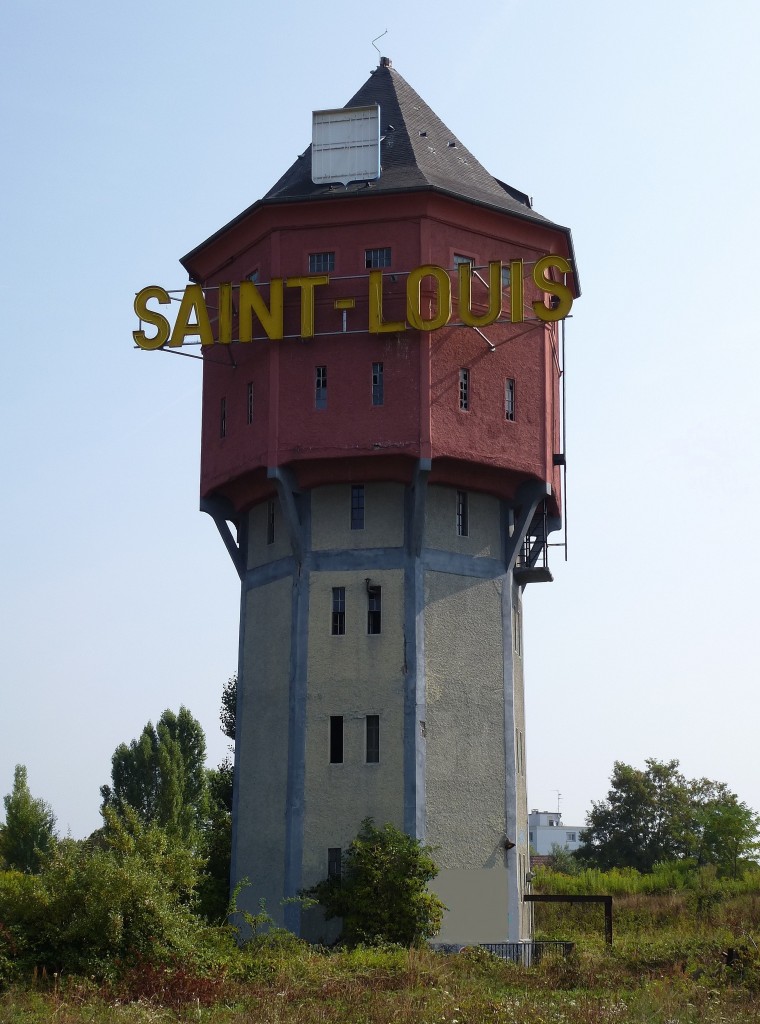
(352, 439)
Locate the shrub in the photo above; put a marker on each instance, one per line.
(382, 892)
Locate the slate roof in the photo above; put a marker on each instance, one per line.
(415, 155)
(418, 152)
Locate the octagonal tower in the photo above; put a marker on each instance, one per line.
(391, 468)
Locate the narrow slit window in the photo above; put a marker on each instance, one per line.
(223, 418)
(320, 387)
(517, 629)
(336, 739)
(378, 395)
(334, 861)
(463, 514)
(374, 258)
(270, 522)
(249, 403)
(509, 398)
(464, 389)
(374, 610)
(373, 739)
(321, 262)
(357, 506)
(338, 611)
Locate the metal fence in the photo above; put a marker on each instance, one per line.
(525, 953)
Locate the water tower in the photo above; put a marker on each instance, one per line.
(382, 454)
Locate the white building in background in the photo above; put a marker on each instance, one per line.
(545, 828)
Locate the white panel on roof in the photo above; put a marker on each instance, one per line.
(345, 145)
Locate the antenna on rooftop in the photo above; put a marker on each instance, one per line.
(379, 55)
(559, 797)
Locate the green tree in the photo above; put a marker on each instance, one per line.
(216, 844)
(214, 886)
(228, 713)
(126, 895)
(162, 775)
(29, 830)
(645, 818)
(655, 815)
(562, 860)
(382, 893)
(725, 828)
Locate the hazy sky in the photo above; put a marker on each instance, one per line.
(133, 131)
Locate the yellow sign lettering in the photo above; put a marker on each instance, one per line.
(193, 304)
(557, 310)
(466, 314)
(270, 317)
(150, 316)
(414, 298)
(307, 286)
(193, 314)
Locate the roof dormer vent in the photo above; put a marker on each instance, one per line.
(345, 145)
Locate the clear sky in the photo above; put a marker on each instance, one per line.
(133, 131)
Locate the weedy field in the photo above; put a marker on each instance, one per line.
(681, 955)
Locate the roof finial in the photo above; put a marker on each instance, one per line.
(375, 40)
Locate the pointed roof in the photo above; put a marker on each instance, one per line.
(418, 152)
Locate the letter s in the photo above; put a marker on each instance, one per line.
(150, 316)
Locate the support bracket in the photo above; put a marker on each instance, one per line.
(222, 512)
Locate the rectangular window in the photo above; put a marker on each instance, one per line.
(373, 739)
(464, 389)
(253, 277)
(270, 522)
(377, 384)
(336, 739)
(374, 258)
(321, 262)
(338, 611)
(517, 629)
(249, 404)
(357, 506)
(459, 259)
(223, 418)
(571, 837)
(320, 387)
(463, 514)
(509, 398)
(374, 609)
(334, 858)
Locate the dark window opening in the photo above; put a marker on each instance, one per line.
(464, 389)
(357, 506)
(320, 387)
(373, 739)
(338, 611)
(374, 258)
(509, 398)
(334, 861)
(270, 523)
(374, 609)
(336, 739)
(463, 514)
(377, 384)
(223, 418)
(249, 404)
(321, 262)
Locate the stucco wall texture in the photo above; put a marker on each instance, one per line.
(457, 754)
